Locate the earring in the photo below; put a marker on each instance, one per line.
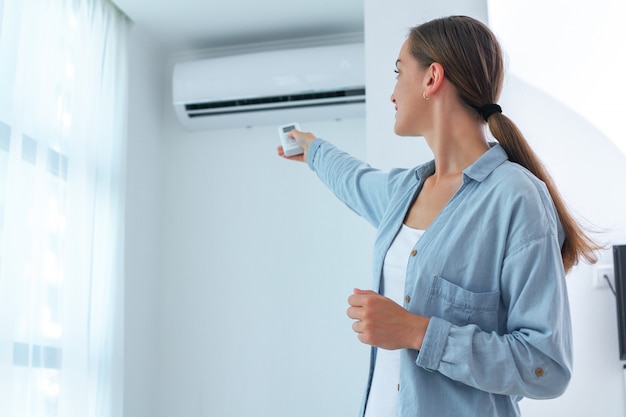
(425, 96)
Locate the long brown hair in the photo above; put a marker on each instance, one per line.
(472, 60)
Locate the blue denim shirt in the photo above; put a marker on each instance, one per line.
(487, 272)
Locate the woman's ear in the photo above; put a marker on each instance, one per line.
(433, 78)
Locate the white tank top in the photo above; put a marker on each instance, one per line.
(383, 396)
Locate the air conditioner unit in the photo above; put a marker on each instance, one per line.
(269, 88)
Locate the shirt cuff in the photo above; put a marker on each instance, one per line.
(434, 344)
(310, 153)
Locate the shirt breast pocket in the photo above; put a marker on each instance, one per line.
(459, 306)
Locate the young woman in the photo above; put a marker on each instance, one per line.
(469, 310)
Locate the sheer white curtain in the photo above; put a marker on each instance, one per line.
(62, 124)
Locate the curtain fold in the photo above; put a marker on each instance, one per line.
(63, 112)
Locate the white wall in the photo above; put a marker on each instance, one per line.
(566, 45)
(258, 260)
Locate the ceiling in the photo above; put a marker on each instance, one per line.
(201, 24)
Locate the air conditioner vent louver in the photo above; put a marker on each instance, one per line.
(274, 87)
(328, 98)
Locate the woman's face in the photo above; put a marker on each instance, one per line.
(408, 94)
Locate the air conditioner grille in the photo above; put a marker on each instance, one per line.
(285, 99)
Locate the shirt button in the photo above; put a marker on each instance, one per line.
(407, 299)
(539, 372)
(413, 252)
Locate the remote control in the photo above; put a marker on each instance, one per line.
(290, 147)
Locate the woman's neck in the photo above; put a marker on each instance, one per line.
(456, 142)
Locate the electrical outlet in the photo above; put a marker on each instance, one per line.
(599, 281)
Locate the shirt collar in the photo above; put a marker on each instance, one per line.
(478, 171)
(424, 171)
(488, 161)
